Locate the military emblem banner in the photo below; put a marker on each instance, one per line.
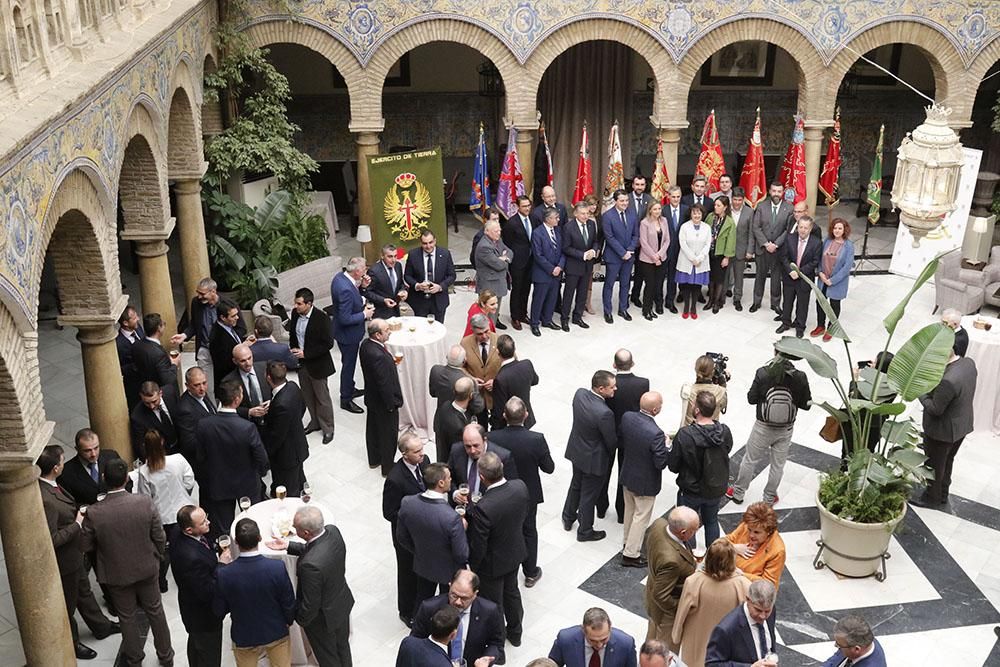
(407, 197)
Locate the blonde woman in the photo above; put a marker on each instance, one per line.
(654, 241)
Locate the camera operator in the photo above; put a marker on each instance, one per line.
(711, 376)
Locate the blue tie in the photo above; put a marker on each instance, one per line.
(94, 473)
(762, 636)
(527, 227)
(456, 643)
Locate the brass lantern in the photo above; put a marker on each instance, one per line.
(927, 174)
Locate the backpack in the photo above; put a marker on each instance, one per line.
(778, 408)
(714, 472)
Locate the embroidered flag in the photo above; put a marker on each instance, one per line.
(584, 175)
(661, 179)
(829, 178)
(543, 164)
(753, 180)
(616, 173)
(511, 180)
(875, 182)
(481, 197)
(793, 170)
(711, 164)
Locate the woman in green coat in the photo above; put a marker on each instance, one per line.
(721, 253)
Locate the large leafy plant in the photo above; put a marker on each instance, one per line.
(876, 484)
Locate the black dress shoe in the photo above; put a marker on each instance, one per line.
(327, 438)
(312, 428)
(782, 329)
(84, 652)
(701, 298)
(636, 302)
(358, 393)
(654, 315)
(516, 324)
(501, 326)
(709, 306)
(680, 298)
(799, 333)
(352, 407)
(634, 562)
(672, 309)
(609, 319)
(535, 331)
(407, 621)
(592, 536)
(729, 292)
(529, 582)
(738, 306)
(658, 310)
(581, 324)
(515, 640)
(647, 316)
(551, 325)
(715, 309)
(113, 629)
(754, 308)
(925, 501)
(602, 513)
(565, 326)
(777, 311)
(567, 525)
(625, 316)
(777, 318)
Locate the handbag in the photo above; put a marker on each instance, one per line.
(831, 431)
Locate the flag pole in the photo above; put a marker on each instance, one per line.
(868, 221)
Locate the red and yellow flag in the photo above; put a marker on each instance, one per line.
(829, 178)
(661, 179)
(584, 175)
(753, 180)
(793, 170)
(711, 164)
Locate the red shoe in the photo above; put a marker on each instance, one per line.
(827, 338)
(685, 315)
(694, 316)
(818, 331)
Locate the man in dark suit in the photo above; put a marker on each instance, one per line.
(464, 462)
(283, 436)
(130, 332)
(592, 441)
(227, 332)
(480, 621)
(546, 272)
(948, 418)
(629, 388)
(856, 645)
(745, 246)
(746, 634)
(152, 363)
(83, 475)
(638, 201)
(265, 348)
(257, 593)
(202, 315)
(250, 373)
(383, 396)
(670, 564)
(311, 338)
(231, 456)
(387, 288)
(451, 418)
(516, 377)
(63, 521)
(952, 319)
(805, 252)
(549, 203)
(429, 273)
(531, 454)
(441, 381)
(771, 220)
(580, 246)
(429, 528)
(576, 646)
(516, 235)
(676, 214)
(433, 651)
(323, 598)
(406, 478)
(157, 411)
(644, 456)
(698, 194)
(195, 564)
(349, 317)
(194, 405)
(125, 532)
(621, 238)
(496, 540)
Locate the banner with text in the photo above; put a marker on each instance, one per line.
(407, 196)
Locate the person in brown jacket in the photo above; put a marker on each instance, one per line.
(482, 360)
(125, 532)
(670, 564)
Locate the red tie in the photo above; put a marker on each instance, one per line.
(595, 659)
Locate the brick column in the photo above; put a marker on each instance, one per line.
(366, 138)
(35, 586)
(154, 280)
(526, 156)
(191, 226)
(813, 148)
(103, 381)
(671, 136)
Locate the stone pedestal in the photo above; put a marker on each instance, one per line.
(813, 149)
(154, 280)
(35, 586)
(367, 144)
(191, 227)
(105, 393)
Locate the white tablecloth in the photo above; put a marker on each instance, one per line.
(263, 513)
(421, 348)
(984, 349)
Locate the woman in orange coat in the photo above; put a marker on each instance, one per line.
(760, 551)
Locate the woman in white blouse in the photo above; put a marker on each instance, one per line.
(692, 263)
(168, 480)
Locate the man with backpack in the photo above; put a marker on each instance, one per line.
(700, 457)
(779, 391)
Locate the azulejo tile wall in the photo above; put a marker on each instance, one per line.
(89, 135)
(523, 24)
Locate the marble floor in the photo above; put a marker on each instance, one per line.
(938, 605)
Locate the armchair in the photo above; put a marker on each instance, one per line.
(991, 277)
(958, 288)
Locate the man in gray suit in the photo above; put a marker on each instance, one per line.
(493, 258)
(442, 380)
(770, 224)
(947, 420)
(591, 442)
(125, 532)
(644, 458)
(743, 217)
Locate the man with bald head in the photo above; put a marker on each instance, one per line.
(670, 564)
(193, 405)
(383, 396)
(798, 211)
(451, 418)
(549, 203)
(441, 382)
(644, 456)
(251, 374)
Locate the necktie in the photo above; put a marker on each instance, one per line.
(622, 214)
(204, 542)
(762, 637)
(637, 200)
(595, 659)
(802, 247)
(583, 232)
(430, 268)
(236, 336)
(473, 477)
(456, 643)
(94, 473)
(483, 352)
(420, 479)
(552, 236)
(674, 216)
(254, 389)
(392, 278)
(527, 226)
(774, 212)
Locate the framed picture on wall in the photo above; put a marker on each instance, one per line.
(888, 56)
(748, 63)
(398, 76)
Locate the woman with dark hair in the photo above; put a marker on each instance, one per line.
(760, 551)
(834, 272)
(722, 251)
(695, 240)
(708, 595)
(168, 480)
(594, 203)
(704, 380)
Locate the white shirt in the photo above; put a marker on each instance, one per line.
(588, 651)
(434, 495)
(761, 650)
(232, 410)
(414, 470)
(275, 390)
(168, 487)
(249, 554)
(50, 482)
(317, 535)
(507, 361)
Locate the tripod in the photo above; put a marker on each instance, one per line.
(864, 257)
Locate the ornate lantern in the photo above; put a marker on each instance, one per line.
(927, 174)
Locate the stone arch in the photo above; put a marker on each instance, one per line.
(19, 387)
(810, 66)
(266, 33)
(589, 30)
(986, 59)
(184, 150)
(211, 109)
(438, 30)
(142, 182)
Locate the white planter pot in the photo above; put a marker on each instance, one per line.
(854, 549)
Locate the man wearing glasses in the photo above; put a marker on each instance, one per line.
(480, 625)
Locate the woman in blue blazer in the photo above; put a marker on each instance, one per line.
(834, 272)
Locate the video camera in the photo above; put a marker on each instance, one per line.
(720, 376)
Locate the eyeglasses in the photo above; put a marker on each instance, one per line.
(460, 598)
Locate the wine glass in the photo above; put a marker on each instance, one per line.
(224, 541)
(463, 491)
(430, 319)
(771, 658)
(83, 509)
(245, 503)
(476, 497)
(280, 492)
(101, 496)
(397, 357)
(306, 495)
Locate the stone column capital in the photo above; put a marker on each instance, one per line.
(151, 234)
(366, 127)
(666, 125)
(187, 176)
(17, 476)
(25, 458)
(188, 186)
(151, 248)
(94, 328)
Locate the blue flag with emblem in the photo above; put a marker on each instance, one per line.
(480, 199)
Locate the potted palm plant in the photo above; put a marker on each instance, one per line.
(861, 505)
